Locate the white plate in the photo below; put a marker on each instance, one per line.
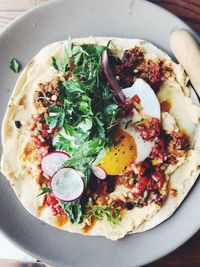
(23, 39)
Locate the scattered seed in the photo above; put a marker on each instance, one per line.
(130, 195)
(54, 98)
(95, 196)
(125, 195)
(128, 206)
(46, 176)
(122, 198)
(48, 94)
(163, 167)
(99, 201)
(110, 201)
(18, 124)
(114, 197)
(130, 182)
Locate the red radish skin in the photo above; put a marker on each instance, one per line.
(56, 151)
(99, 172)
(110, 77)
(53, 161)
(67, 192)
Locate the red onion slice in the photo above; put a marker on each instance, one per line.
(110, 77)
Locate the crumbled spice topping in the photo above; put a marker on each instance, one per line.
(47, 93)
(178, 143)
(132, 57)
(133, 65)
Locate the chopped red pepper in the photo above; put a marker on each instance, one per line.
(142, 184)
(53, 203)
(159, 177)
(151, 132)
(136, 98)
(158, 151)
(45, 133)
(131, 113)
(51, 200)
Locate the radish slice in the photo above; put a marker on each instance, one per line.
(53, 162)
(99, 172)
(110, 77)
(67, 185)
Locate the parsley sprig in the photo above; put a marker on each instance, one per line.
(86, 98)
(88, 115)
(100, 212)
(64, 66)
(15, 66)
(45, 189)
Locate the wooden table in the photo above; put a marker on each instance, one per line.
(189, 10)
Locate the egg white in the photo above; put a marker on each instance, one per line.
(149, 101)
(150, 106)
(143, 147)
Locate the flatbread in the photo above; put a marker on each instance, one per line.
(19, 154)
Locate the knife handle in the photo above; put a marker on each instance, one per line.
(187, 52)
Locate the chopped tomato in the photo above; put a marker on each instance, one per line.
(142, 184)
(136, 98)
(159, 177)
(51, 200)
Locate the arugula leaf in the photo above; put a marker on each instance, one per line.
(74, 210)
(44, 190)
(15, 66)
(100, 212)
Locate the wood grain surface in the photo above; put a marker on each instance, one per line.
(189, 10)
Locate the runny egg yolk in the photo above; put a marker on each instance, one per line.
(121, 155)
